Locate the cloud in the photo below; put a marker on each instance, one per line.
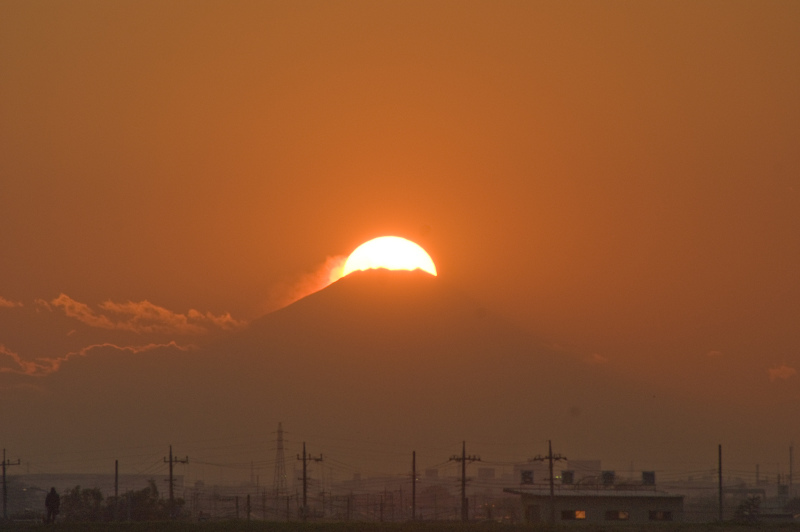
(782, 372)
(223, 321)
(149, 318)
(714, 354)
(5, 303)
(328, 272)
(144, 317)
(13, 363)
(41, 304)
(81, 312)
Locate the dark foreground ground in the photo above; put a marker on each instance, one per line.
(261, 526)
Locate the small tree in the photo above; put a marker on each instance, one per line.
(82, 505)
(145, 505)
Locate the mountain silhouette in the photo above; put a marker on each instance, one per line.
(390, 356)
(402, 355)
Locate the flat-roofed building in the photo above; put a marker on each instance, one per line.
(599, 506)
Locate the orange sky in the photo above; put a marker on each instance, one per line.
(620, 179)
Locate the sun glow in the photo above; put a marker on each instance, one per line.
(390, 252)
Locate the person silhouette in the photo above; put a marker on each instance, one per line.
(52, 502)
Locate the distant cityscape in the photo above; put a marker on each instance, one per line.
(304, 488)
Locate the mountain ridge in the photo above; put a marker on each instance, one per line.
(398, 356)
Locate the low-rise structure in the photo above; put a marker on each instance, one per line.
(574, 504)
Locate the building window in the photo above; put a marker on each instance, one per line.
(660, 515)
(617, 515)
(572, 515)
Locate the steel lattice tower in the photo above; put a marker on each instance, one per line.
(281, 490)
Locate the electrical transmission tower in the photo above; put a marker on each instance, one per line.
(550, 458)
(464, 459)
(279, 482)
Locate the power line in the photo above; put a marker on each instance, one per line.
(550, 457)
(464, 459)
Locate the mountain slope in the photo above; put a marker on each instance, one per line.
(395, 353)
(386, 356)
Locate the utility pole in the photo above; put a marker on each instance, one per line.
(720, 481)
(413, 485)
(116, 490)
(172, 481)
(305, 459)
(550, 458)
(279, 478)
(791, 464)
(6, 463)
(464, 459)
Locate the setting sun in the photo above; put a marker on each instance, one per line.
(390, 252)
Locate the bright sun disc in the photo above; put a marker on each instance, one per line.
(390, 252)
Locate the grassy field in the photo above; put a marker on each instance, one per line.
(259, 526)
